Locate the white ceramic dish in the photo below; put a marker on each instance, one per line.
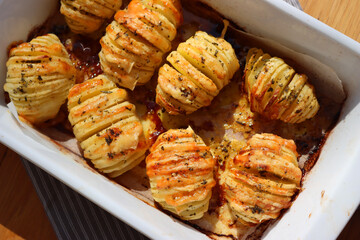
(331, 190)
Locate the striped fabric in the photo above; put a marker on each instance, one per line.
(295, 3)
(73, 216)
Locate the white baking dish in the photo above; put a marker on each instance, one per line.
(331, 190)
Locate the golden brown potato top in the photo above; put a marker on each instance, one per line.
(179, 159)
(260, 181)
(39, 76)
(276, 91)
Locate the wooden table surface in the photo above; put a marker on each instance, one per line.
(21, 213)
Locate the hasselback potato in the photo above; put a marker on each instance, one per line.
(136, 40)
(198, 70)
(87, 16)
(180, 168)
(260, 181)
(276, 91)
(106, 126)
(39, 76)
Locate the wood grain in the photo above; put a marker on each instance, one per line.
(21, 212)
(343, 15)
(6, 234)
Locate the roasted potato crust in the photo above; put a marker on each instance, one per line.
(260, 181)
(137, 39)
(106, 126)
(200, 68)
(87, 16)
(180, 168)
(39, 76)
(276, 91)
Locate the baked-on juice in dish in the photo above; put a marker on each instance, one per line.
(226, 126)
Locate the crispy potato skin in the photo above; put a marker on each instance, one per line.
(137, 39)
(87, 16)
(260, 181)
(197, 71)
(39, 76)
(180, 168)
(106, 126)
(276, 91)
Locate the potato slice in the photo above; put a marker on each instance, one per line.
(172, 105)
(212, 53)
(123, 78)
(181, 88)
(201, 67)
(96, 145)
(169, 8)
(273, 86)
(155, 19)
(108, 45)
(132, 43)
(256, 70)
(102, 119)
(135, 42)
(198, 59)
(299, 106)
(180, 168)
(290, 94)
(134, 24)
(188, 70)
(106, 125)
(251, 58)
(92, 7)
(312, 109)
(264, 83)
(81, 92)
(261, 180)
(100, 102)
(224, 48)
(281, 78)
(87, 16)
(39, 76)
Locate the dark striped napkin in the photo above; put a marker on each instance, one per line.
(73, 216)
